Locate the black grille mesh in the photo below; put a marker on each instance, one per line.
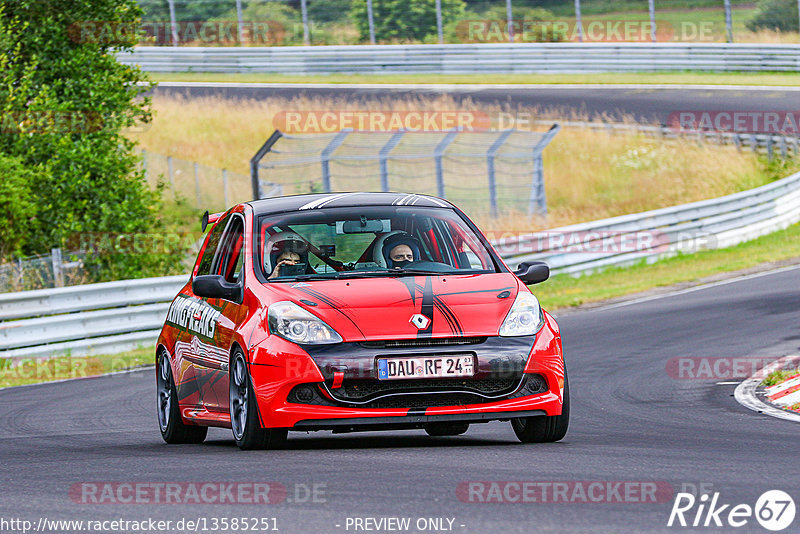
(424, 342)
(362, 389)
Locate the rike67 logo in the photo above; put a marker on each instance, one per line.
(774, 510)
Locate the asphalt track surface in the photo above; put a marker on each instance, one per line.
(631, 421)
(643, 104)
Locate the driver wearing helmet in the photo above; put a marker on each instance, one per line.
(286, 249)
(400, 250)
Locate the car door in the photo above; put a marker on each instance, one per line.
(188, 339)
(212, 358)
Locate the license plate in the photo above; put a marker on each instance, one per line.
(426, 367)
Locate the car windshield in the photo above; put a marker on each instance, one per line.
(369, 241)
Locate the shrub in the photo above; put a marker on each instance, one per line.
(778, 15)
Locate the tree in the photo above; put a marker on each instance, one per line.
(403, 20)
(778, 15)
(65, 100)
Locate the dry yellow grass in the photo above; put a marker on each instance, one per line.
(589, 174)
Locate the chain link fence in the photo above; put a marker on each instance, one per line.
(346, 22)
(482, 172)
(57, 269)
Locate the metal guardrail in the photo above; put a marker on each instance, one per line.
(708, 224)
(118, 316)
(470, 58)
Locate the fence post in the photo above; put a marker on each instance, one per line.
(304, 13)
(197, 186)
(172, 25)
(144, 163)
(754, 143)
(255, 162)
(371, 21)
(651, 4)
(383, 155)
(225, 187)
(325, 158)
(439, 29)
(538, 199)
(58, 274)
(239, 21)
(578, 23)
(510, 20)
(729, 20)
(171, 176)
(437, 157)
(490, 155)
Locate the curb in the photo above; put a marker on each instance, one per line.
(745, 392)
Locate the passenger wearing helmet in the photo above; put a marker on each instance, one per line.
(400, 250)
(284, 250)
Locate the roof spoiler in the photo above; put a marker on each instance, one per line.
(210, 219)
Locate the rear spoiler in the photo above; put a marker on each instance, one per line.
(210, 219)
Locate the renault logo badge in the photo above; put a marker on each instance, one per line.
(420, 321)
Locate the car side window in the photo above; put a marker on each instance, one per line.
(230, 256)
(211, 248)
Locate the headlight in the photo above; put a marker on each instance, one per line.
(292, 322)
(525, 317)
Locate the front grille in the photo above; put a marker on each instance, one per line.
(423, 342)
(426, 401)
(363, 389)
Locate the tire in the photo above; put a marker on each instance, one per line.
(245, 423)
(544, 428)
(172, 427)
(446, 429)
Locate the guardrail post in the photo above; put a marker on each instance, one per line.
(437, 158)
(197, 186)
(326, 158)
(384, 155)
(490, 155)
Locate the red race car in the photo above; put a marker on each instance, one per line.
(353, 312)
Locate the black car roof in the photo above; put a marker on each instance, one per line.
(344, 200)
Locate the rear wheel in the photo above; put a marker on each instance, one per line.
(245, 424)
(446, 429)
(544, 428)
(172, 427)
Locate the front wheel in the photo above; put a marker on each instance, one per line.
(544, 428)
(172, 427)
(246, 427)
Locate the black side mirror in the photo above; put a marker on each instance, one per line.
(533, 272)
(214, 286)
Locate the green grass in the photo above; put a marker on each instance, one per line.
(564, 291)
(702, 78)
(776, 377)
(36, 370)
